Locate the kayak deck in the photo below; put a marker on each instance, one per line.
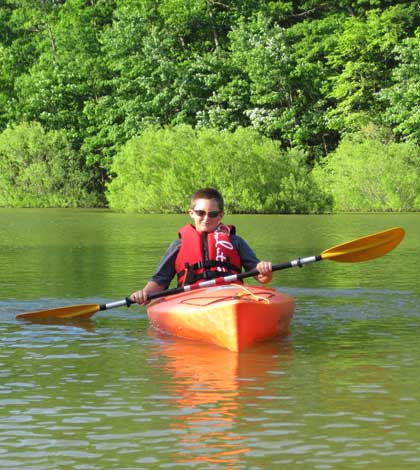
(233, 316)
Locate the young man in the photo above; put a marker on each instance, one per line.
(206, 250)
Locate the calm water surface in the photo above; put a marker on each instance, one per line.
(340, 392)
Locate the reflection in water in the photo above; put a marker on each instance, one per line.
(211, 385)
(344, 395)
(86, 325)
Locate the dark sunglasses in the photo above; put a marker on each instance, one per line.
(211, 214)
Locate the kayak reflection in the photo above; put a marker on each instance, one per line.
(212, 386)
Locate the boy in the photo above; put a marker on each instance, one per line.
(206, 250)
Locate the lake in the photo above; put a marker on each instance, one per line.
(340, 392)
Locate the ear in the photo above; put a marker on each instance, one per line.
(191, 213)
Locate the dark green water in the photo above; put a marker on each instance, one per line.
(341, 392)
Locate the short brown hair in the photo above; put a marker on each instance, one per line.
(208, 193)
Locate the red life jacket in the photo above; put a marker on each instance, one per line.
(206, 255)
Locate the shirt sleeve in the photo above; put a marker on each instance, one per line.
(248, 257)
(165, 271)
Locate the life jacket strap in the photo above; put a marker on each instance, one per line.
(207, 265)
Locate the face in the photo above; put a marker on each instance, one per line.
(202, 220)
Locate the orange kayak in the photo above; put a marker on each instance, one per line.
(232, 316)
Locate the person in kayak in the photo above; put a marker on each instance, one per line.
(207, 250)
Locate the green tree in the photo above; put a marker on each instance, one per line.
(39, 169)
(18, 50)
(301, 73)
(67, 73)
(362, 62)
(159, 170)
(273, 82)
(370, 172)
(402, 98)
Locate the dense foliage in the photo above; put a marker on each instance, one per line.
(304, 74)
(39, 169)
(367, 172)
(177, 161)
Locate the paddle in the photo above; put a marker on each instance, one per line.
(360, 249)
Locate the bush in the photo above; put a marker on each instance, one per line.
(370, 173)
(160, 170)
(39, 169)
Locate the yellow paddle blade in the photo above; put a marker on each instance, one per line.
(75, 311)
(365, 248)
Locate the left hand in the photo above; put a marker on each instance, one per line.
(265, 269)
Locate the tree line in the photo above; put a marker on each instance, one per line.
(86, 86)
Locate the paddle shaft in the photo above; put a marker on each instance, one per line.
(213, 282)
(233, 277)
(355, 251)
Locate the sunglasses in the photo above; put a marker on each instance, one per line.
(211, 214)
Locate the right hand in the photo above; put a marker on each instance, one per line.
(139, 297)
